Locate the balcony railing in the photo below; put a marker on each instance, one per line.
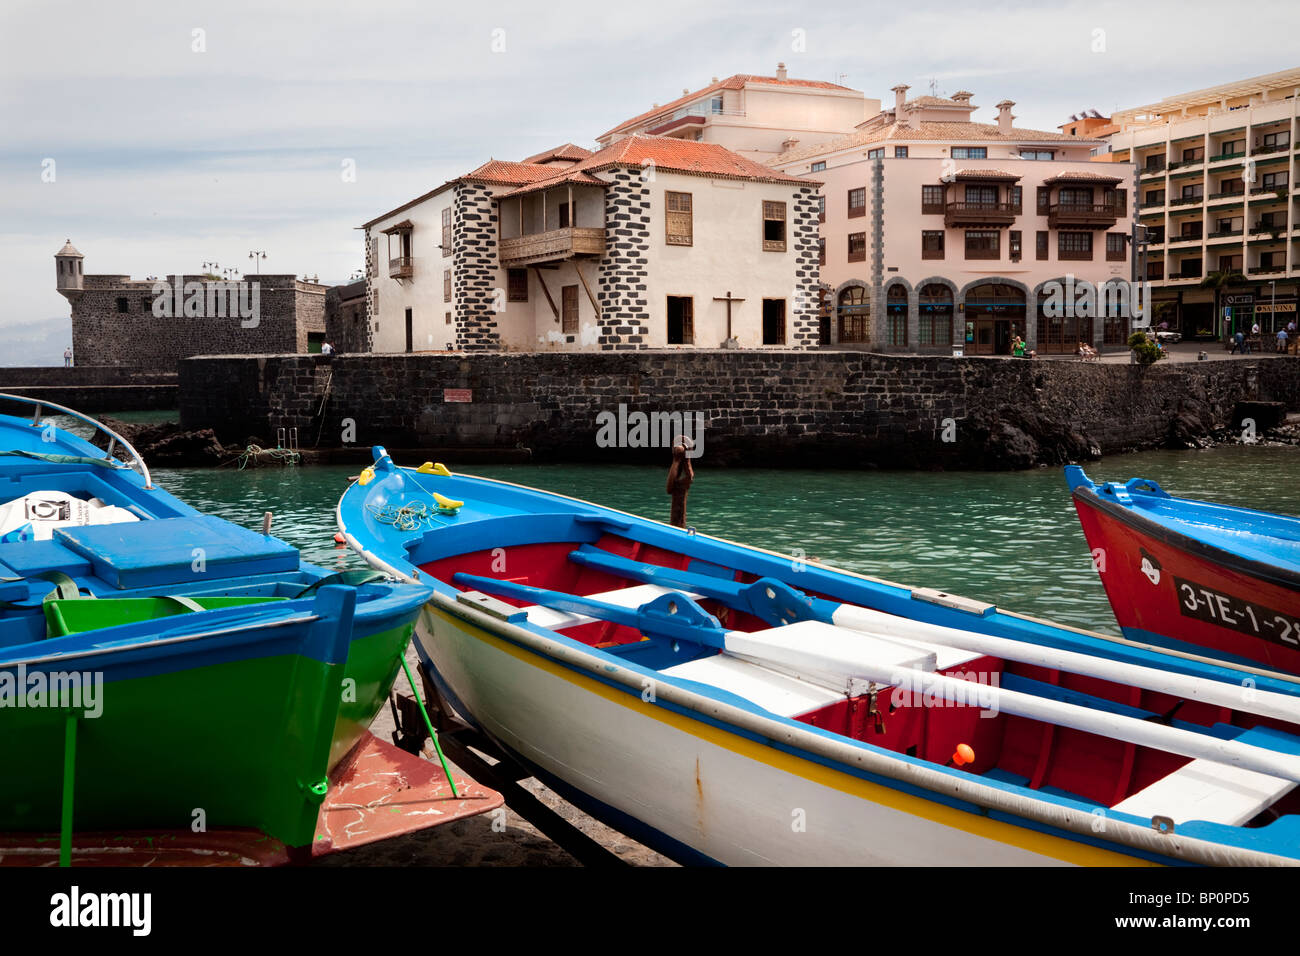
(932, 209)
(552, 245)
(981, 213)
(1074, 255)
(1155, 270)
(1183, 163)
(1150, 169)
(1270, 150)
(1228, 194)
(1185, 237)
(1267, 270)
(983, 253)
(1260, 190)
(1223, 156)
(402, 267)
(1224, 233)
(1087, 215)
(1193, 273)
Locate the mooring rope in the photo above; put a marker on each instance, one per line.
(282, 455)
(410, 517)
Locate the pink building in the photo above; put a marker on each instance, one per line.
(939, 232)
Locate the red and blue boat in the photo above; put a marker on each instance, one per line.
(176, 688)
(1193, 576)
(730, 705)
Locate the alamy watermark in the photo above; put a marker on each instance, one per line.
(626, 429)
(915, 688)
(75, 690)
(216, 299)
(1080, 298)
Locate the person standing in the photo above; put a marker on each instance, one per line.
(1281, 341)
(1238, 342)
(326, 349)
(67, 357)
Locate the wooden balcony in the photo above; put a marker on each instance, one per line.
(980, 213)
(552, 246)
(1083, 215)
(402, 267)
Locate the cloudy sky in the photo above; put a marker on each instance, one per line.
(169, 147)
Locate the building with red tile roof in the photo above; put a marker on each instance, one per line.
(753, 115)
(648, 242)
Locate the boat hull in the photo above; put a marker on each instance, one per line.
(226, 732)
(703, 791)
(1167, 588)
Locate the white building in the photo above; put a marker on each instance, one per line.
(649, 242)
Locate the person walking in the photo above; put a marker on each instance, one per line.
(67, 357)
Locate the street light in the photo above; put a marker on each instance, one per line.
(210, 268)
(257, 255)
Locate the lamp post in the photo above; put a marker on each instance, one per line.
(210, 268)
(257, 255)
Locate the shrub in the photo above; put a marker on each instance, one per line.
(1144, 349)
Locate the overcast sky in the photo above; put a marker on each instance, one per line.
(165, 156)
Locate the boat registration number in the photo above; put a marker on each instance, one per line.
(1214, 607)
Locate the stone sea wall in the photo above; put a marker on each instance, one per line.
(760, 407)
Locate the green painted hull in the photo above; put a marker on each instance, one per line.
(247, 743)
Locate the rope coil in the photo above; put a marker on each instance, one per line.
(411, 517)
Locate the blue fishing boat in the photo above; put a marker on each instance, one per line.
(727, 704)
(1194, 575)
(165, 670)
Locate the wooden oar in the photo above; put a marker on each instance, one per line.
(671, 615)
(787, 604)
(1116, 726)
(676, 615)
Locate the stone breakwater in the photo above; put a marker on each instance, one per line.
(761, 408)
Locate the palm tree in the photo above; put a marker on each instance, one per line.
(1218, 281)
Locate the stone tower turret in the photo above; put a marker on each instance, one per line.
(69, 277)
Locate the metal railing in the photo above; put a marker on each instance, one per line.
(114, 439)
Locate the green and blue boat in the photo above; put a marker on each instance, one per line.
(162, 670)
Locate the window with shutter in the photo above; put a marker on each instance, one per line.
(773, 226)
(679, 224)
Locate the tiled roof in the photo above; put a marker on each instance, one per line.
(929, 130)
(985, 174)
(1081, 177)
(507, 173)
(736, 82)
(937, 101)
(666, 153)
(568, 151)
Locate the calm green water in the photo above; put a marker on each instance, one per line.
(1011, 538)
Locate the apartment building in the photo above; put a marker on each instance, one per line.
(756, 116)
(938, 232)
(649, 242)
(1217, 197)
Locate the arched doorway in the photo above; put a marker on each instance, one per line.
(896, 315)
(1060, 333)
(995, 312)
(934, 302)
(854, 316)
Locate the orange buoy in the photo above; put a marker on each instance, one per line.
(339, 539)
(963, 755)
